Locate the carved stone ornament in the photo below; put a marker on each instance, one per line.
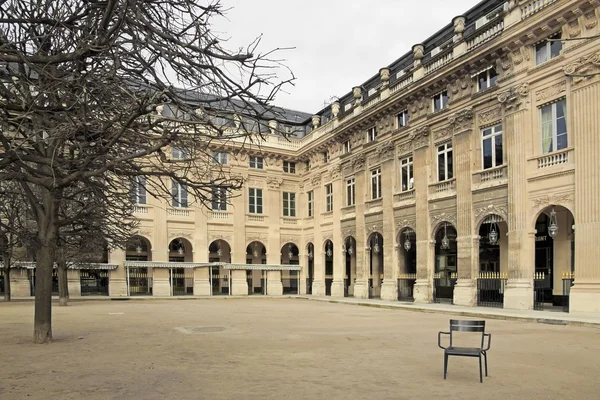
(216, 236)
(358, 163)
(186, 235)
(436, 219)
(404, 148)
(584, 69)
(500, 210)
(327, 236)
(316, 180)
(442, 133)
(574, 29)
(461, 121)
(519, 55)
(335, 171)
(420, 137)
(309, 239)
(145, 233)
(512, 99)
(289, 239)
(256, 238)
(590, 19)
(564, 199)
(386, 151)
(551, 92)
(489, 116)
(274, 182)
(378, 227)
(349, 233)
(402, 224)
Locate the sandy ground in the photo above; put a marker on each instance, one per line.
(280, 349)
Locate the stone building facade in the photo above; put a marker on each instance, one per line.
(462, 172)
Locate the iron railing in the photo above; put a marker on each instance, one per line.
(567, 281)
(328, 283)
(220, 283)
(250, 281)
(181, 284)
(443, 287)
(540, 286)
(93, 282)
(139, 282)
(31, 277)
(490, 289)
(406, 284)
(289, 280)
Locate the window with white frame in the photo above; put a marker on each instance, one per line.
(440, 101)
(138, 190)
(548, 49)
(444, 160)
(255, 201)
(347, 147)
(178, 153)
(289, 204)
(289, 167)
(491, 147)
(553, 119)
(329, 197)
(256, 162)
(376, 183)
(326, 157)
(310, 197)
(219, 199)
(372, 134)
(179, 194)
(350, 191)
(220, 157)
(486, 79)
(406, 174)
(402, 118)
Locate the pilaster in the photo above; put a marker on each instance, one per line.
(389, 288)
(161, 286)
(73, 282)
(337, 287)
(361, 285)
(239, 284)
(117, 281)
(318, 288)
(274, 284)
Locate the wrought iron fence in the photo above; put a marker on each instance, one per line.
(289, 280)
(372, 288)
(250, 281)
(346, 286)
(181, 284)
(490, 289)
(567, 281)
(31, 277)
(93, 282)
(443, 287)
(328, 283)
(541, 283)
(406, 284)
(220, 283)
(139, 282)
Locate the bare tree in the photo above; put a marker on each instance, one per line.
(89, 95)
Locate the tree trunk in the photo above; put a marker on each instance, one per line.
(63, 286)
(7, 283)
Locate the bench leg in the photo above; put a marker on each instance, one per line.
(485, 359)
(445, 364)
(480, 372)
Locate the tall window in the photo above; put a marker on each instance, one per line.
(326, 157)
(347, 147)
(372, 134)
(554, 126)
(406, 174)
(308, 166)
(220, 157)
(255, 201)
(350, 191)
(402, 118)
(310, 201)
(376, 183)
(440, 101)
(289, 204)
(548, 49)
(289, 167)
(487, 79)
(491, 147)
(256, 162)
(179, 194)
(219, 199)
(329, 197)
(138, 190)
(444, 154)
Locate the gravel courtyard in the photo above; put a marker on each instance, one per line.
(261, 348)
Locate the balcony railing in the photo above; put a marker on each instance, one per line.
(376, 99)
(179, 212)
(289, 221)
(404, 196)
(443, 189)
(373, 205)
(140, 209)
(221, 215)
(402, 84)
(534, 6)
(485, 34)
(438, 63)
(552, 159)
(490, 175)
(255, 218)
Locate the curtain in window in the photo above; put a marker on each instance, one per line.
(547, 129)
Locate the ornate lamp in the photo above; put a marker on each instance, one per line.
(310, 254)
(493, 235)
(255, 250)
(407, 243)
(350, 250)
(180, 248)
(553, 227)
(219, 251)
(329, 253)
(376, 248)
(138, 248)
(290, 254)
(445, 240)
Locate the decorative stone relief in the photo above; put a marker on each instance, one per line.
(359, 162)
(461, 87)
(218, 236)
(517, 56)
(378, 227)
(274, 182)
(500, 210)
(420, 137)
(512, 99)
(503, 67)
(386, 151)
(145, 233)
(442, 133)
(590, 19)
(443, 217)
(406, 223)
(404, 148)
(309, 239)
(349, 232)
(550, 92)
(553, 199)
(256, 238)
(327, 236)
(316, 180)
(573, 28)
(461, 121)
(335, 171)
(419, 107)
(289, 239)
(584, 69)
(489, 116)
(185, 235)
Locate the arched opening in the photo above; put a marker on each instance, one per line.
(350, 264)
(328, 247)
(139, 278)
(376, 267)
(219, 251)
(181, 279)
(493, 263)
(289, 279)
(407, 264)
(256, 253)
(554, 257)
(445, 263)
(310, 274)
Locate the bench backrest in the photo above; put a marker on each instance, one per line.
(467, 326)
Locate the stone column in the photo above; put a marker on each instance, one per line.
(352, 276)
(339, 259)
(389, 288)
(519, 288)
(19, 283)
(361, 286)
(585, 97)
(117, 279)
(423, 289)
(200, 254)
(303, 261)
(239, 285)
(73, 282)
(465, 290)
(161, 285)
(318, 288)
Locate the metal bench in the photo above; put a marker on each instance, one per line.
(477, 327)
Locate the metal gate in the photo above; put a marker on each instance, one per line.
(567, 281)
(540, 286)
(139, 282)
(31, 277)
(94, 282)
(263, 283)
(181, 285)
(443, 287)
(406, 284)
(220, 282)
(490, 289)
(289, 280)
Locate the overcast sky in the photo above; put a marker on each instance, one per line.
(337, 43)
